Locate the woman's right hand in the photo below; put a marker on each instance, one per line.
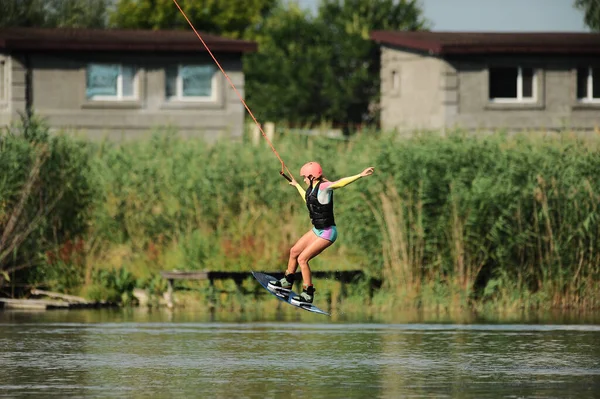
(367, 172)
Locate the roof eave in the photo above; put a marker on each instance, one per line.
(411, 44)
(508, 49)
(31, 45)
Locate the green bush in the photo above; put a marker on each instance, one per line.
(47, 191)
(112, 285)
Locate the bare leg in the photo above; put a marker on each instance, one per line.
(297, 249)
(313, 249)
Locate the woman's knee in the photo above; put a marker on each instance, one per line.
(303, 259)
(295, 252)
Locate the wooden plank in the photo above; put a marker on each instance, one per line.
(32, 304)
(341, 275)
(68, 298)
(185, 275)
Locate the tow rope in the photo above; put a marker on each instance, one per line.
(283, 167)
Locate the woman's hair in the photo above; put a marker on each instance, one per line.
(323, 178)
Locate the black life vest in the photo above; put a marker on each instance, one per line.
(321, 215)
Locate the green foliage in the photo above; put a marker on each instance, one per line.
(100, 293)
(77, 13)
(116, 286)
(21, 13)
(155, 285)
(231, 18)
(166, 185)
(61, 276)
(111, 285)
(354, 67)
(455, 211)
(457, 219)
(54, 13)
(519, 206)
(591, 9)
(284, 79)
(309, 69)
(46, 194)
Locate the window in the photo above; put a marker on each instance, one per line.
(111, 82)
(191, 82)
(588, 84)
(512, 84)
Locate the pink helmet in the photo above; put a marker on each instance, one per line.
(311, 169)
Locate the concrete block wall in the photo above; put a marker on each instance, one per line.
(58, 95)
(417, 101)
(439, 93)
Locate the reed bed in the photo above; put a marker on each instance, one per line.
(447, 221)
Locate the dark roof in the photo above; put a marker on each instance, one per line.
(116, 40)
(443, 43)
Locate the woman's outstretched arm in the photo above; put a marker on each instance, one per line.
(344, 181)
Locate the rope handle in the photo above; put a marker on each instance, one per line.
(286, 176)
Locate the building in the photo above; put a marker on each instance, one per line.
(122, 83)
(512, 81)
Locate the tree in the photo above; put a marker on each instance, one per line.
(284, 78)
(231, 18)
(592, 12)
(356, 60)
(24, 13)
(309, 69)
(77, 13)
(54, 13)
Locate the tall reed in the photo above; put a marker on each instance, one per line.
(473, 214)
(463, 218)
(46, 194)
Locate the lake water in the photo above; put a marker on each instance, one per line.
(102, 354)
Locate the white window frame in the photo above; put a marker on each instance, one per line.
(179, 87)
(590, 88)
(119, 96)
(519, 98)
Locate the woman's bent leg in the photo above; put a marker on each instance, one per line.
(306, 240)
(310, 251)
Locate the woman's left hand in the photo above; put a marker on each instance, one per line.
(367, 172)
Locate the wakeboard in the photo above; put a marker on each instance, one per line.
(264, 279)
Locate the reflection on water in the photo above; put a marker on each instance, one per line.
(124, 354)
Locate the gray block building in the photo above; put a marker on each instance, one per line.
(122, 83)
(512, 81)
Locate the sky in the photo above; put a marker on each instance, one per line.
(497, 15)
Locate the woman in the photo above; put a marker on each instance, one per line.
(319, 201)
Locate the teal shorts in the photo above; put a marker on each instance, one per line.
(329, 233)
